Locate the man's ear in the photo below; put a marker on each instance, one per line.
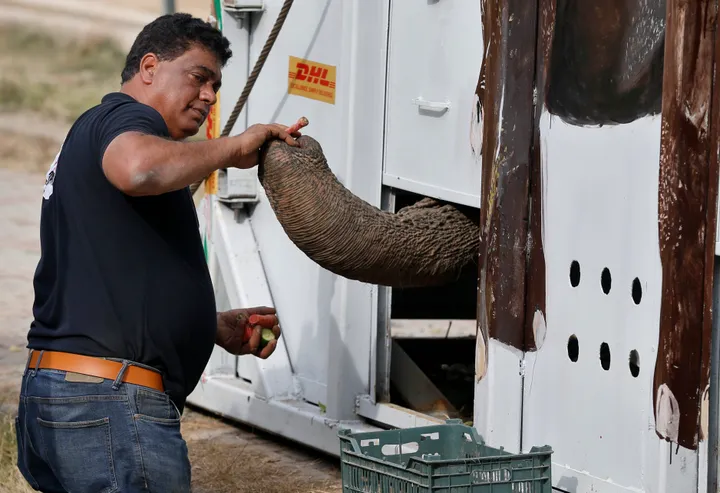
(148, 67)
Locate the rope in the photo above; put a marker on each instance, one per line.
(253, 77)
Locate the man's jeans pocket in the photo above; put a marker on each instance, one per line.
(156, 407)
(90, 467)
(74, 439)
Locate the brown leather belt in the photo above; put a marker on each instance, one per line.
(96, 367)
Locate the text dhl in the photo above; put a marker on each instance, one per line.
(312, 80)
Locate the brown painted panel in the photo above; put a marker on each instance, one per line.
(509, 71)
(535, 297)
(688, 182)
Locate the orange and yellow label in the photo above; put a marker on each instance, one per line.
(312, 80)
(212, 131)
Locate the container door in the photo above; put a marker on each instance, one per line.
(435, 54)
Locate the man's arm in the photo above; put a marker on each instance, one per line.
(141, 164)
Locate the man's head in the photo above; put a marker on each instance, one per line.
(174, 66)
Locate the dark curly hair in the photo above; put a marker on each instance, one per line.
(171, 35)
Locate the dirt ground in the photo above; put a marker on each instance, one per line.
(226, 457)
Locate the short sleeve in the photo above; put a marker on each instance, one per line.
(130, 117)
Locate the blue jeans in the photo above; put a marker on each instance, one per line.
(76, 435)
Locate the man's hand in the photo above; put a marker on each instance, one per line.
(231, 331)
(258, 135)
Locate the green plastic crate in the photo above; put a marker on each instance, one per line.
(439, 459)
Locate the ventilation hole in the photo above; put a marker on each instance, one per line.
(636, 291)
(573, 348)
(605, 356)
(575, 273)
(606, 280)
(634, 363)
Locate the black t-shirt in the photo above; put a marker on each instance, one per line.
(120, 276)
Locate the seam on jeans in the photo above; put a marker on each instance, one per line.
(138, 446)
(176, 409)
(72, 425)
(111, 458)
(151, 393)
(161, 421)
(77, 399)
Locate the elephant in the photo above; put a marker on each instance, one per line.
(428, 243)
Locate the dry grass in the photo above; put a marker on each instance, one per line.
(46, 82)
(224, 467)
(22, 152)
(56, 77)
(12, 480)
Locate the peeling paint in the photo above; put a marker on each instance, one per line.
(476, 129)
(481, 357)
(667, 414)
(705, 413)
(539, 329)
(481, 346)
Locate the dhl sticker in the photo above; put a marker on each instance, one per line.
(312, 80)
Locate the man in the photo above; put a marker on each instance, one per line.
(124, 313)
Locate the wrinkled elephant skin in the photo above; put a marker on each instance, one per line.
(427, 243)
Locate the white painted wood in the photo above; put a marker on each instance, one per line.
(498, 396)
(435, 53)
(703, 467)
(600, 193)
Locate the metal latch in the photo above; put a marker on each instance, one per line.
(241, 8)
(435, 106)
(237, 186)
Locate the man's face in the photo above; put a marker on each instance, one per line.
(184, 89)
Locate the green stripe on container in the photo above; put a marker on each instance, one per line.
(218, 13)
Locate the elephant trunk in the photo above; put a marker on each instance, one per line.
(427, 243)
